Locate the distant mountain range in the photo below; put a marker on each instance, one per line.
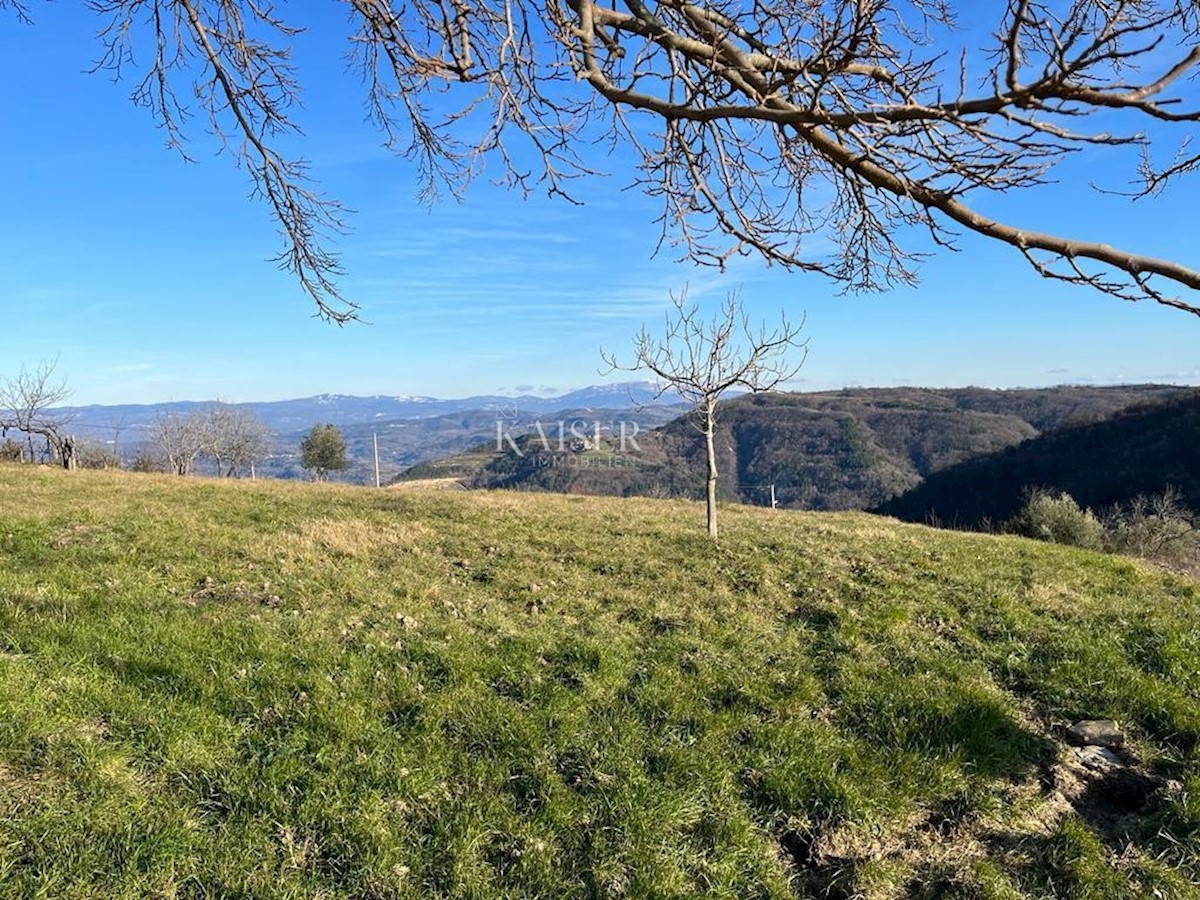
(849, 449)
(344, 410)
(409, 429)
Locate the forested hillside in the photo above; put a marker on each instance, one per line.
(1139, 451)
(849, 449)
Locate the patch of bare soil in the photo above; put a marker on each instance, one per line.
(208, 589)
(1112, 792)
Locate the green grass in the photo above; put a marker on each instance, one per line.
(276, 690)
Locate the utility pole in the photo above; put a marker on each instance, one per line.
(375, 441)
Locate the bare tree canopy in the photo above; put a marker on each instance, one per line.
(180, 437)
(29, 403)
(701, 359)
(758, 126)
(232, 437)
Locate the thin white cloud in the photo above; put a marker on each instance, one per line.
(125, 368)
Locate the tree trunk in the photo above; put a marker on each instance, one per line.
(710, 450)
(67, 451)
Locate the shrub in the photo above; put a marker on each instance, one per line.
(1158, 528)
(323, 451)
(1056, 517)
(91, 455)
(10, 451)
(147, 461)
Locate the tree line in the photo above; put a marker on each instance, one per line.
(233, 439)
(230, 440)
(697, 358)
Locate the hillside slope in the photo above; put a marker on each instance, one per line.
(850, 449)
(284, 690)
(1140, 451)
(407, 442)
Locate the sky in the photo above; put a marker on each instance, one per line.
(149, 279)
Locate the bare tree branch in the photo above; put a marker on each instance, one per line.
(246, 86)
(761, 128)
(19, 9)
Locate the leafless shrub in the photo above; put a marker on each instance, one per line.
(10, 451)
(93, 455)
(147, 461)
(1158, 528)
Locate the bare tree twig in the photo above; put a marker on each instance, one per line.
(761, 128)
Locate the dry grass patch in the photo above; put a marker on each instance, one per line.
(428, 484)
(354, 538)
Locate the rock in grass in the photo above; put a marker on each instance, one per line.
(1099, 759)
(1096, 733)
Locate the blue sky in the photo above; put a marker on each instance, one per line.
(148, 278)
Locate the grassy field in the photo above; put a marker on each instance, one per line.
(279, 690)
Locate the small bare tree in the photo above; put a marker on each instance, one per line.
(701, 359)
(29, 404)
(249, 443)
(233, 437)
(180, 437)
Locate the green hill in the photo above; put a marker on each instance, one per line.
(258, 690)
(1138, 451)
(850, 449)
